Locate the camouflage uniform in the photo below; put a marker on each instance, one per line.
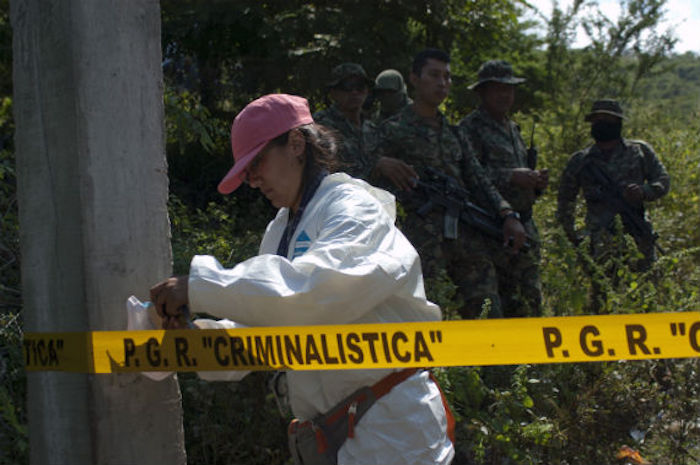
(415, 141)
(628, 162)
(513, 279)
(632, 161)
(355, 142)
(510, 281)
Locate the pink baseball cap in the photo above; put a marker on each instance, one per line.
(257, 124)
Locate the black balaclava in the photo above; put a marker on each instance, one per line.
(604, 131)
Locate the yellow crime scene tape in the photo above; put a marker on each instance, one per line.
(426, 344)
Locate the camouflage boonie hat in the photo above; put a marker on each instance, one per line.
(390, 79)
(496, 71)
(346, 70)
(605, 106)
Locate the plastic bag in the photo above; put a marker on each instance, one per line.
(143, 316)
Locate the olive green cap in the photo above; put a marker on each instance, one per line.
(346, 70)
(496, 71)
(607, 107)
(390, 79)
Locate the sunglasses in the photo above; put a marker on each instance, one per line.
(352, 86)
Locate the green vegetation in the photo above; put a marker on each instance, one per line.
(220, 55)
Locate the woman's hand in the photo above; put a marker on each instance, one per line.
(170, 298)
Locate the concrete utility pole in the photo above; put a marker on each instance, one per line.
(92, 187)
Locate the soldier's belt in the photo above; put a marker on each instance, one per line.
(341, 347)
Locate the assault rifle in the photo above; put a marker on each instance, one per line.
(532, 155)
(442, 190)
(632, 217)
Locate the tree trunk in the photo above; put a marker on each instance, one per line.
(92, 188)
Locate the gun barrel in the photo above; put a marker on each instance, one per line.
(443, 191)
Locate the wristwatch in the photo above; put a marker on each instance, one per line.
(512, 214)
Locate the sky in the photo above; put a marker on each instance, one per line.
(682, 17)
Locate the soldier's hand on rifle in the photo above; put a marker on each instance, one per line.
(633, 194)
(527, 178)
(542, 179)
(170, 298)
(513, 233)
(400, 174)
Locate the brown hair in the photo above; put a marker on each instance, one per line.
(321, 149)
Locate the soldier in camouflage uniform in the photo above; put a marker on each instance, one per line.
(636, 173)
(347, 91)
(511, 280)
(419, 136)
(390, 91)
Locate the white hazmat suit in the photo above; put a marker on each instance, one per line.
(347, 263)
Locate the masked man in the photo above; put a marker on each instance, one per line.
(617, 177)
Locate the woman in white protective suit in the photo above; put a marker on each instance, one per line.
(332, 255)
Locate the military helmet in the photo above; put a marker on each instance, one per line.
(496, 71)
(390, 79)
(346, 70)
(607, 107)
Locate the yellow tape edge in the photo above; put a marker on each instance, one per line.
(365, 346)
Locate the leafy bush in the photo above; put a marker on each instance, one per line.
(232, 423)
(14, 442)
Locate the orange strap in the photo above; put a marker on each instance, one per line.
(380, 388)
(448, 412)
(384, 385)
